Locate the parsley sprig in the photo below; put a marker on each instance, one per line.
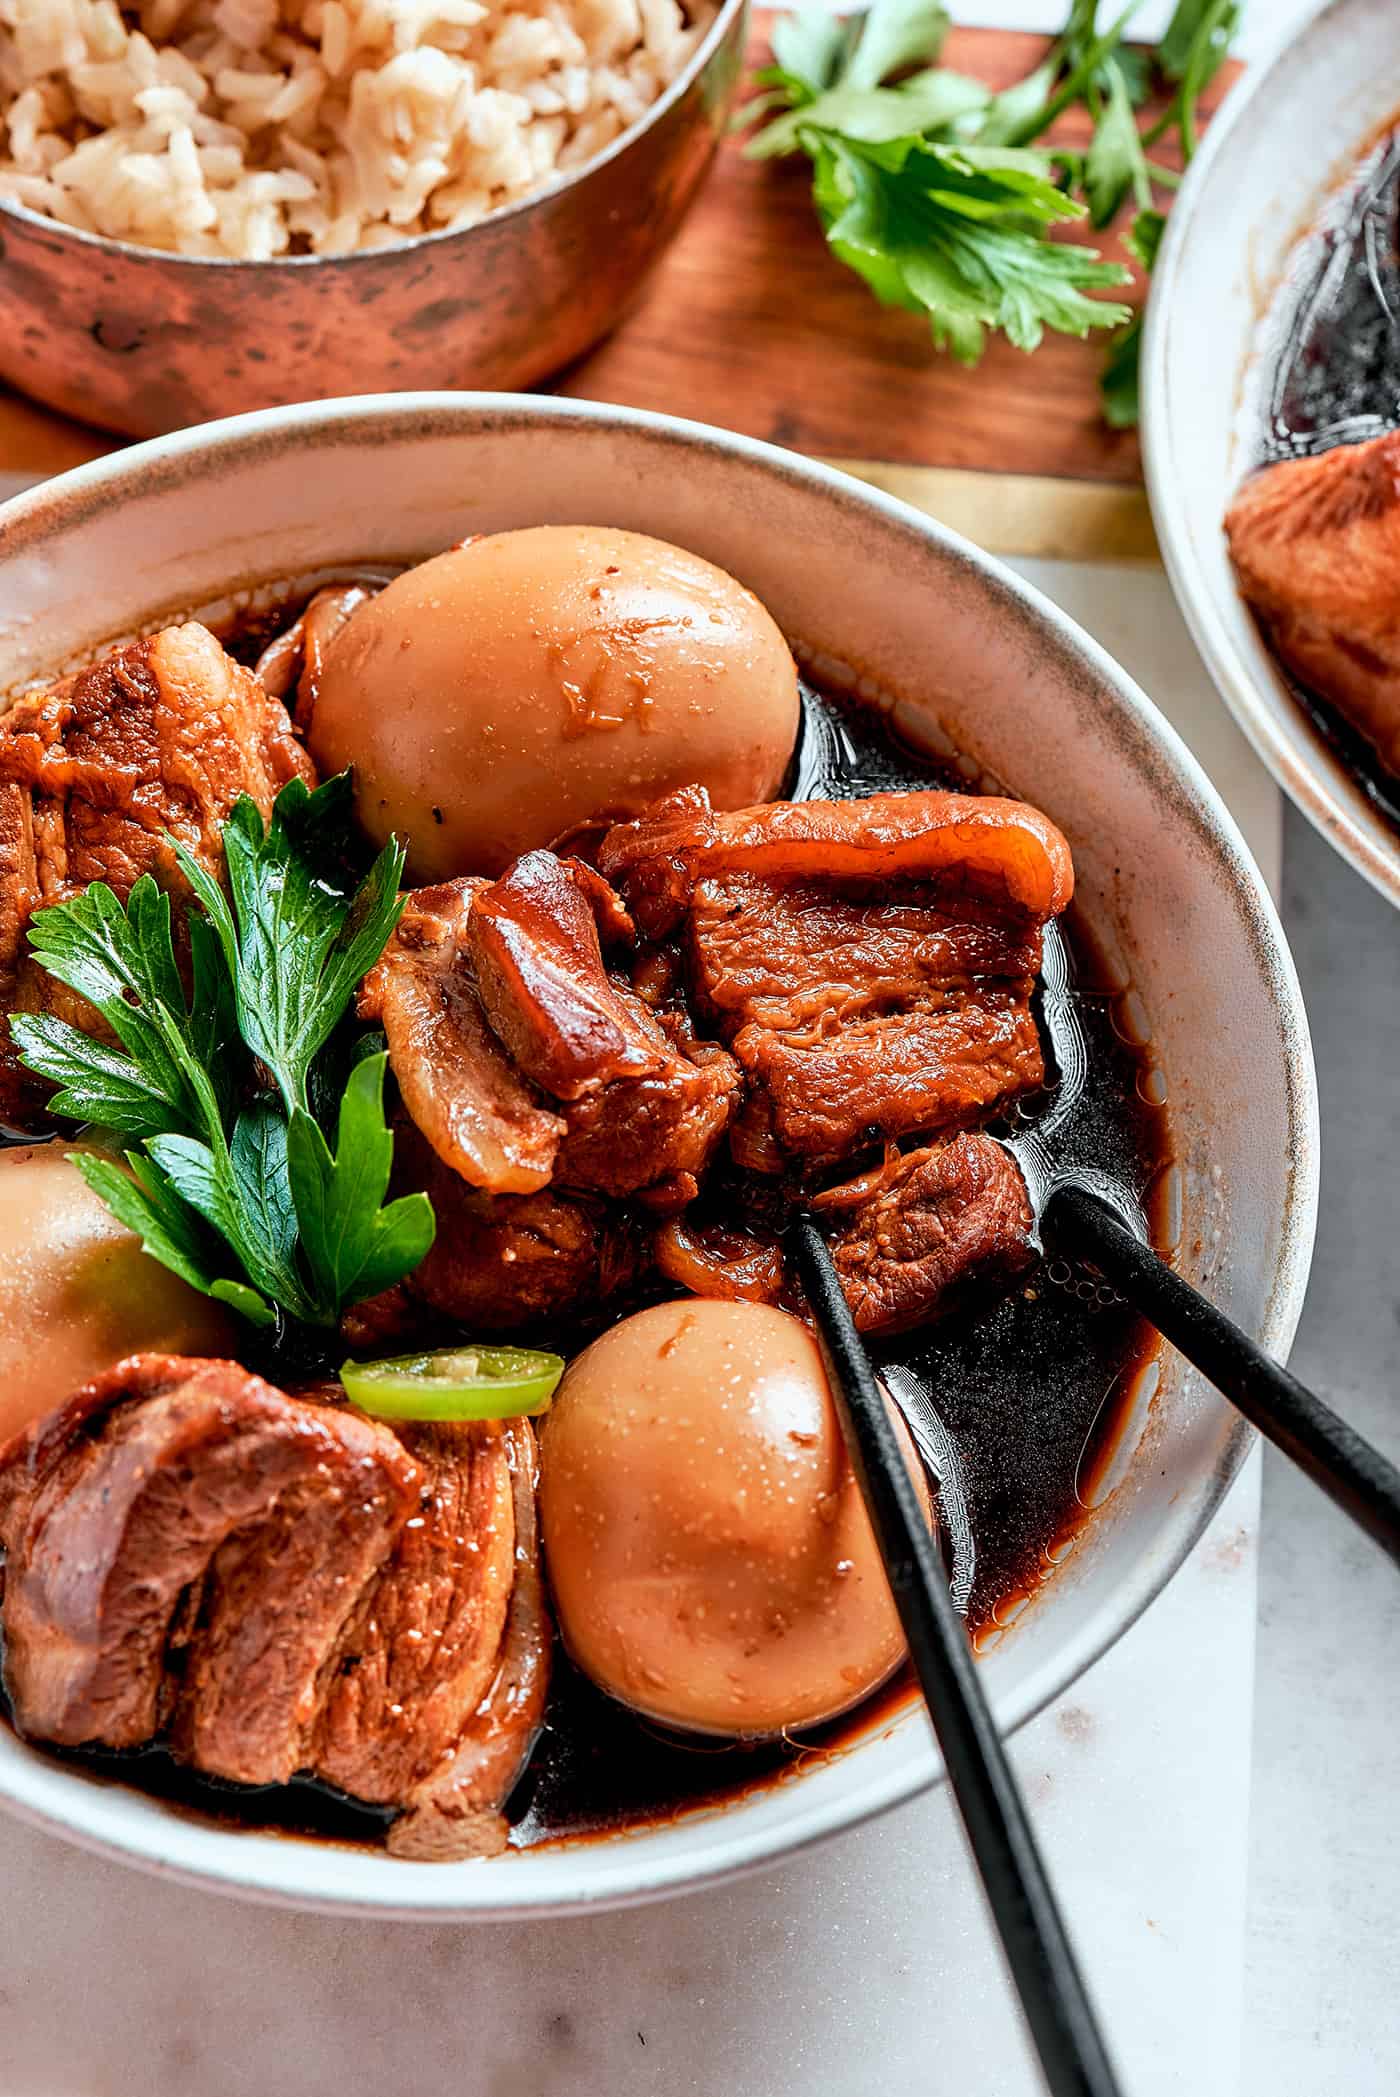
(945, 197)
(230, 1178)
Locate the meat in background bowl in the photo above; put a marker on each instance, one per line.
(876, 597)
(1208, 363)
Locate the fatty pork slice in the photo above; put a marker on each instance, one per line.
(1316, 548)
(183, 1543)
(437, 1688)
(523, 1060)
(483, 1119)
(97, 775)
(913, 1239)
(642, 1115)
(275, 1585)
(870, 963)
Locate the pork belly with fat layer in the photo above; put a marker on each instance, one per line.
(524, 1060)
(98, 774)
(1316, 548)
(275, 1585)
(869, 963)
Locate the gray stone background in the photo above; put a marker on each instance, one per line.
(1322, 2010)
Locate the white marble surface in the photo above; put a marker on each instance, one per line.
(1323, 1940)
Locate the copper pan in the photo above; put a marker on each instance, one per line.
(143, 342)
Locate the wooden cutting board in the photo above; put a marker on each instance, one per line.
(751, 323)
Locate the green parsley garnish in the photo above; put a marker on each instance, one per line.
(944, 197)
(231, 1092)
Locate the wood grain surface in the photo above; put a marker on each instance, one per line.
(751, 323)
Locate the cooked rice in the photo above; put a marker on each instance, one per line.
(256, 128)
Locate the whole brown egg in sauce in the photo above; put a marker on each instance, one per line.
(529, 683)
(77, 1292)
(711, 1561)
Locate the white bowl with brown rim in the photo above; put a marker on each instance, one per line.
(970, 657)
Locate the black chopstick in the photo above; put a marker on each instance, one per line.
(1063, 2027)
(1365, 1484)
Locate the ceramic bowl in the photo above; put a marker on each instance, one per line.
(1250, 198)
(139, 341)
(876, 595)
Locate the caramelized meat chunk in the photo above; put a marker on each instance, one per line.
(642, 1116)
(503, 1261)
(1005, 853)
(855, 1014)
(870, 963)
(412, 1677)
(522, 1060)
(914, 1238)
(151, 1509)
(454, 1810)
(1316, 548)
(480, 1115)
(274, 1584)
(99, 773)
(536, 947)
(651, 1137)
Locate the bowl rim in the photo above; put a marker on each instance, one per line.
(1335, 811)
(107, 243)
(55, 1798)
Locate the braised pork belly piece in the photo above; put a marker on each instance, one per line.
(483, 1119)
(545, 1089)
(1316, 549)
(437, 1687)
(869, 963)
(502, 1261)
(127, 1518)
(274, 1585)
(1005, 853)
(523, 1059)
(98, 773)
(917, 1236)
(642, 1117)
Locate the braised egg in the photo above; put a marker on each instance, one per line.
(510, 693)
(77, 1293)
(710, 1556)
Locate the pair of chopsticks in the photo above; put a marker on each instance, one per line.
(1365, 1484)
(1062, 2023)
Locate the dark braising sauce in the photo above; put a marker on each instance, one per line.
(1332, 360)
(1037, 1390)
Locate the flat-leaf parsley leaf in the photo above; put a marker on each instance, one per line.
(947, 199)
(229, 1179)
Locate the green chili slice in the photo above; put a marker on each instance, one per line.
(457, 1383)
